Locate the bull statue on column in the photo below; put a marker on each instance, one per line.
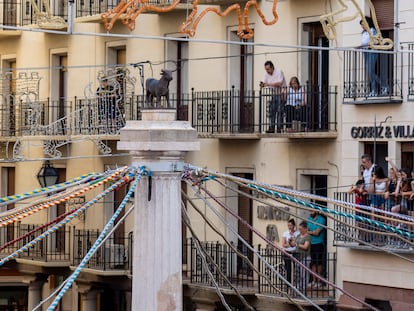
(158, 88)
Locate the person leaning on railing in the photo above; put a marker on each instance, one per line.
(360, 199)
(378, 188)
(274, 78)
(403, 192)
(393, 176)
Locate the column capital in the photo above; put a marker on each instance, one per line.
(34, 280)
(84, 288)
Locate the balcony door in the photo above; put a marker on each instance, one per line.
(243, 206)
(316, 75)
(60, 210)
(8, 176)
(240, 70)
(177, 60)
(59, 91)
(384, 11)
(10, 9)
(8, 98)
(407, 154)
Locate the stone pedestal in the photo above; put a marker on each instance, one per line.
(160, 146)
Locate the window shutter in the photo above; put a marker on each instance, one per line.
(384, 9)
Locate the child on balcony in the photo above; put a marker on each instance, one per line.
(360, 199)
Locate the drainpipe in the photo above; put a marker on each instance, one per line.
(71, 16)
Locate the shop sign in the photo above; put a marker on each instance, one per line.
(396, 131)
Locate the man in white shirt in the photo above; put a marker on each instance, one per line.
(275, 79)
(366, 162)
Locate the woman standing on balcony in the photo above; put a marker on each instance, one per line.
(404, 192)
(369, 57)
(295, 107)
(288, 240)
(303, 248)
(378, 188)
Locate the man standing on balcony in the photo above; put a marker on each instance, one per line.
(368, 166)
(274, 79)
(316, 229)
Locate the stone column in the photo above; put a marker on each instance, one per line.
(160, 143)
(89, 300)
(34, 294)
(88, 297)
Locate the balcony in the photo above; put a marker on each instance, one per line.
(223, 114)
(90, 11)
(355, 234)
(235, 114)
(372, 77)
(10, 16)
(254, 279)
(410, 96)
(23, 13)
(53, 251)
(221, 2)
(114, 257)
(60, 118)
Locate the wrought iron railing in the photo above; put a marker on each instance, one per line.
(373, 75)
(7, 234)
(90, 7)
(295, 274)
(114, 254)
(232, 111)
(231, 269)
(212, 112)
(22, 13)
(250, 274)
(11, 12)
(350, 231)
(411, 71)
(19, 117)
(55, 247)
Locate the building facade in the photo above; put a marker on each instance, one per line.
(53, 109)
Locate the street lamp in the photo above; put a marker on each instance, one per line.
(48, 175)
(375, 134)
